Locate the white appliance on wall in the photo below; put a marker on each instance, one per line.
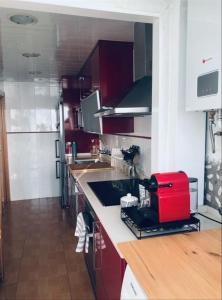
(203, 69)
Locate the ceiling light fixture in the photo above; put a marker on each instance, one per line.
(35, 73)
(31, 54)
(39, 79)
(23, 19)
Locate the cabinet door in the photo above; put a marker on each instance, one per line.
(112, 267)
(100, 287)
(71, 97)
(85, 80)
(97, 251)
(95, 67)
(116, 70)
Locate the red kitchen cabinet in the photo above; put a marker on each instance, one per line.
(71, 92)
(110, 269)
(109, 69)
(106, 267)
(68, 82)
(71, 97)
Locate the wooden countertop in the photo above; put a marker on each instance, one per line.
(181, 266)
(90, 166)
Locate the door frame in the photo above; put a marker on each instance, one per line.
(168, 18)
(3, 136)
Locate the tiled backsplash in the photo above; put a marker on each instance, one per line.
(32, 165)
(30, 106)
(142, 128)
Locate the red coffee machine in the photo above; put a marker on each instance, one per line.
(170, 196)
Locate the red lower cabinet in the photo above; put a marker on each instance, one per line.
(109, 268)
(100, 287)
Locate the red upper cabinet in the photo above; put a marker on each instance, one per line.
(71, 93)
(109, 69)
(68, 82)
(115, 71)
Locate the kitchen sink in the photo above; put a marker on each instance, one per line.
(85, 161)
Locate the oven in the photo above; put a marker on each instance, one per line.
(90, 219)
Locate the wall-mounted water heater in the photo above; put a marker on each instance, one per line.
(203, 67)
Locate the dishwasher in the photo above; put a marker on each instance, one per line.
(131, 289)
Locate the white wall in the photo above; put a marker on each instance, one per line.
(31, 134)
(178, 137)
(142, 127)
(145, 147)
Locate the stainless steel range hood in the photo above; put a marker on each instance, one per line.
(138, 101)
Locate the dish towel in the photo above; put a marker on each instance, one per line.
(82, 232)
(100, 243)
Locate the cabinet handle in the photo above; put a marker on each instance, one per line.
(77, 203)
(57, 148)
(57, 169)
(95, 226)
(94, 246)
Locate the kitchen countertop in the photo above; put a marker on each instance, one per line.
(182, 266)
(109, 215)
(93, 166)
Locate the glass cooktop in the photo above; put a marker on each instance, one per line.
(110, 192)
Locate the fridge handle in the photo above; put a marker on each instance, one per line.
(57, 169)
(57, 148)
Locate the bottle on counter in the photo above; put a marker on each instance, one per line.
(69, 148)
(94, 148)
(74, 150)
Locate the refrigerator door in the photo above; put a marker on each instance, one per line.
(60, 153)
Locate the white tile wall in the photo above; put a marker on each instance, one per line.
(142, 127)
(32, 165)
(30, 107)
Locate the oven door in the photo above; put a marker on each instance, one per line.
(90, 256)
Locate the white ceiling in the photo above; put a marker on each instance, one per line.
(63, 41)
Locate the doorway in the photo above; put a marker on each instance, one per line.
(4, 176)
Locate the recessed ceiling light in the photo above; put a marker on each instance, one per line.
(31, 54)
(35, 72)
(23, 19)
(39, 79)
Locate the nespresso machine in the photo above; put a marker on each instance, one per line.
(169, 196)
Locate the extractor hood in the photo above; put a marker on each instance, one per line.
(138, 101)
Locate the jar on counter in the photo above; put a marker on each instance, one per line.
(193, 185)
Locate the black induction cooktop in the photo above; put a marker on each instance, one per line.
(110, 192)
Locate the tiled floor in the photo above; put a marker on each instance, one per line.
(40, 261)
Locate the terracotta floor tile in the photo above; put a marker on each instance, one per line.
(40, 258)
(11, 271)
(44, 289)
(8, 292)
(80, 286)
(13, 249)
(28, 290)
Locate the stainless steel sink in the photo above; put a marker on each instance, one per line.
(85, 161)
